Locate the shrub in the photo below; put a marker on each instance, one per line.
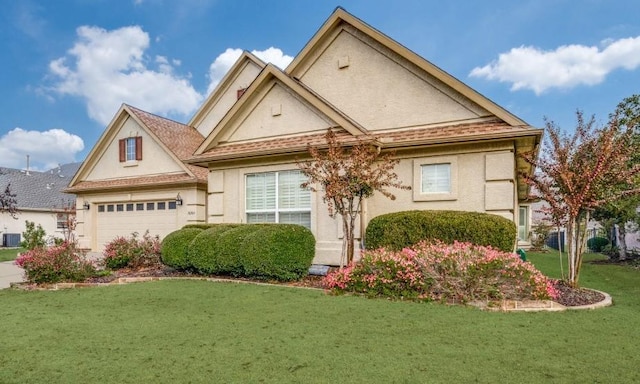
(403, 229)
(280, 251)
(597, 244)
(458, 272)
(34, 237)
(55, 264)
(202, 250)
(175, 247)
(132, 252)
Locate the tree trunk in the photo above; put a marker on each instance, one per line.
(622, 241)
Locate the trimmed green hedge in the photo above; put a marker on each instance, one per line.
(282, 252)
(175, 247)
(597, 243)
(269, 251)
(402, 229)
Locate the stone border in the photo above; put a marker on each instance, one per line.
(539, 305)
(494, 306)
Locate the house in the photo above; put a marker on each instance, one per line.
(40, 199)
(458, 150)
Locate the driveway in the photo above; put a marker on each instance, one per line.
(10, 273)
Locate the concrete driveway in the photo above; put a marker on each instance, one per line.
(10, 273)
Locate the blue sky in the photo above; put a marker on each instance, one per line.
(69, 64)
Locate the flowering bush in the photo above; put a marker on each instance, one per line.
(458, 272)
(55, 264)
(132, 252)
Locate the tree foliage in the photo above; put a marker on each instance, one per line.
(8, 202)
(575, 174)
(346, 178)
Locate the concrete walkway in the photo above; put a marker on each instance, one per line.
(10, 273)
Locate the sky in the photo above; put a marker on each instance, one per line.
(68, 65)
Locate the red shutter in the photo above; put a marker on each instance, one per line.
(122, 145)
(240, 92)
(139, 148)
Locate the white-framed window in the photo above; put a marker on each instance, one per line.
(130, 149)
(276, 197)
(523, 223)
(435, 178)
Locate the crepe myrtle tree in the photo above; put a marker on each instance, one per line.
(347, 176)
(575, 174)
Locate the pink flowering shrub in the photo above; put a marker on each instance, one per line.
(60, 263)
(132, 252)
(458, 272)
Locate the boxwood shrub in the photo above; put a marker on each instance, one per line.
(597, 243)
(282, 252)
(402, 229)
(202, 253)
(175, 247)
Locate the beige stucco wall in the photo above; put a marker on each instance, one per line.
(226, 97)
(484, 182)
(155, 160)
(390, 92)
(48, 221)
(193, 210)
(276, 113)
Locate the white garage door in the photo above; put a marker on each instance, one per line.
(124, 218)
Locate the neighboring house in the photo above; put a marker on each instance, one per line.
(458, 150)
(40, 199)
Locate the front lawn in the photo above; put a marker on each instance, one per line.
(197, 331)
(8, 254)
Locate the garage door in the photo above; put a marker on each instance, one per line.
(123, 218)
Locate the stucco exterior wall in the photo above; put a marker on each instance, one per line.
(484, 182)
(48, 221)
(155, 160)
(391, 94)
(226, 99)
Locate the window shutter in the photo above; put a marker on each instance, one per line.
(240, 92)
(122, 145)
(139, 148)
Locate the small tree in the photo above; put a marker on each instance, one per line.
(575, 175)
(347, 177)
(8, 202)
(34, 236)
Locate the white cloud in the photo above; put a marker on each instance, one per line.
(565, 67)
(226, 59)
(109, 68)
(46, 149)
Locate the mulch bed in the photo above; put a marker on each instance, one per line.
(568, 296)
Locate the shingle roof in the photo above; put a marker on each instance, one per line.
(139, 182)
(395, 138)
(40, 190)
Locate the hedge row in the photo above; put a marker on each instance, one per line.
(403, 229)
(270, 251)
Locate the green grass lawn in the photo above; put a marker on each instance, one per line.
(8, 254)
(197, 331)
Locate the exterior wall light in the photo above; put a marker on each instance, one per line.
(178, 200)
(86, 206)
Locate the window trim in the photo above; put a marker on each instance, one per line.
(418, 195)
(123, 147)
(276, 210)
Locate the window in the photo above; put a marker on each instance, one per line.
(150, 206)
(62, 222)
(436, 178)
(276, 197)
(523, 223)
(139, 206)
(172, 205)
(129, 207)
(120, 207)
(110, 208)
(130, 149)
(100, 208)
(161, 205)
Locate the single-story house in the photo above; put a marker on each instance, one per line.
(40, 199)
(235, 161)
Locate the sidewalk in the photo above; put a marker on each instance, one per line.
(10, 273)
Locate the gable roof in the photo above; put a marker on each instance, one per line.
(246, 58)
(340, 18)
(40, 190)
(177, 139)
(269, 74)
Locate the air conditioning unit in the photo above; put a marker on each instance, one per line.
(11, 240)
